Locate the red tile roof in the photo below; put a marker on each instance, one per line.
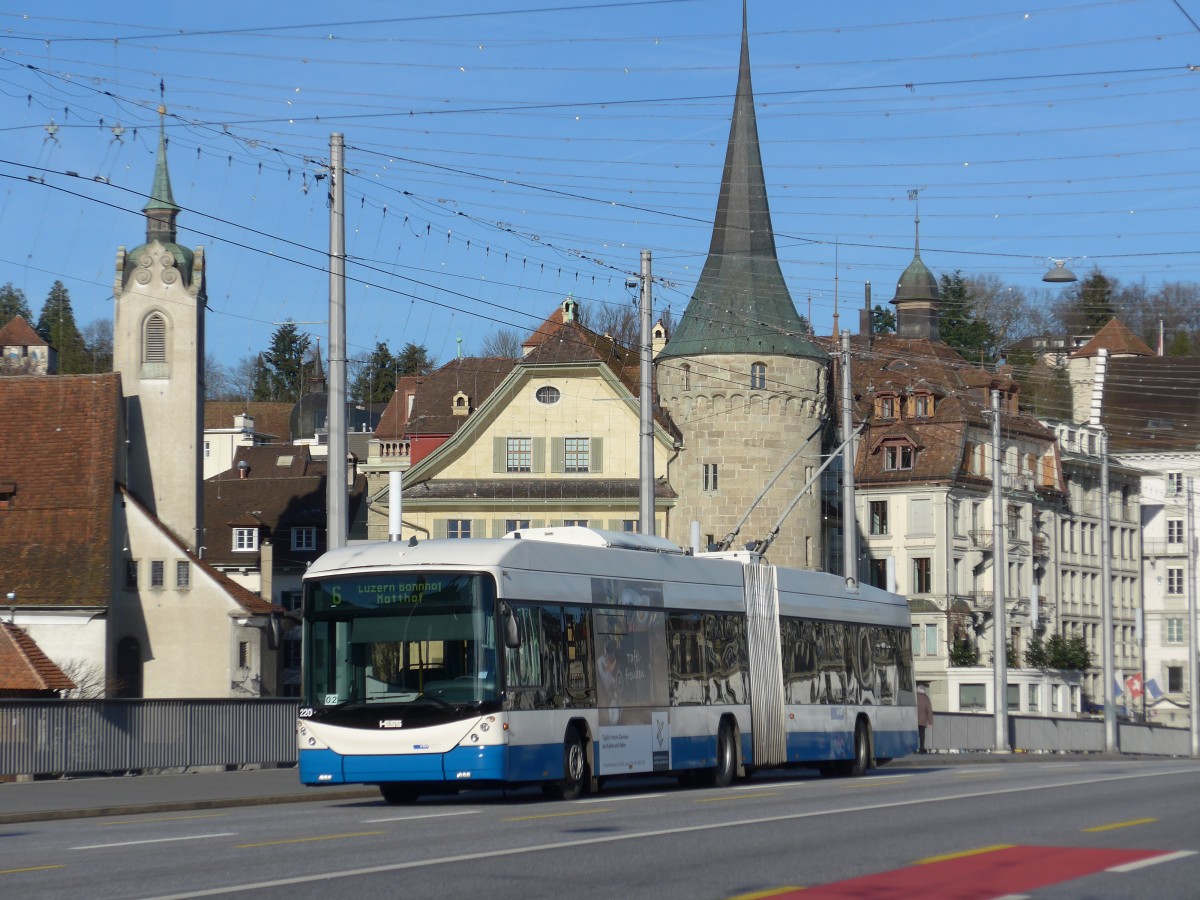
(1117, 339)
(59, 446)
(23, 665)
(19, 333)
(269, 418)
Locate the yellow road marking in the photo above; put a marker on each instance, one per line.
(322, 837)
(585, 812)
(978, 852)
(1116, 825)
(762, 895)
(162, 819)
(30, 869)
(753, 796)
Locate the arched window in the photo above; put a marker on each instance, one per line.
(758, 376)
(685, 372)
(129, 667)
(154, 339)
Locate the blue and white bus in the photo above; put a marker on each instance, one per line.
(563, 656)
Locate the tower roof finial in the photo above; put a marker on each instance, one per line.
(161, 208)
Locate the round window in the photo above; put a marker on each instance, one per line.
(548, 395)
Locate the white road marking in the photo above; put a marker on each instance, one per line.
(189, 837)
(620, 799)
(1153, 861)
(1106, 779)
(413, 818)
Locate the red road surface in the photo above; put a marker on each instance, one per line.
(993, 873)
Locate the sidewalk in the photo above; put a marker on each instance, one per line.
(70, 798)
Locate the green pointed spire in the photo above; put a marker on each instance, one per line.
(741, 303)
(161, 208)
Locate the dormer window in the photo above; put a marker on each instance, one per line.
(922, 406)
(758, 376)
(461, 404)
(898, 455)
(885, 406)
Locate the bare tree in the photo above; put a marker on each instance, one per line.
(505, 342)
(240, 380)
(90, 682)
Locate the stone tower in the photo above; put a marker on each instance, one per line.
(158, 347)
(741, 378)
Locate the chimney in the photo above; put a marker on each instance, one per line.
(243, 468)
(865, 319)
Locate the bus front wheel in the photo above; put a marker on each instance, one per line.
(575, 769)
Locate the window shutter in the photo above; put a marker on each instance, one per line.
(537, 523)
(596, 464)
(497, 528)
(558, 454)
(478, 528)
(614, 524)
(499, 460)
(439, 528)
(155, 348)
(539, 455)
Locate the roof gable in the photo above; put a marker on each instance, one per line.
(19, 333)
(1117, 339)
(23, 665)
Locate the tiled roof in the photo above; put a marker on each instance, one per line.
(1117, 339)
(476, 377)
(1153, 403)
(19, 333)
(539, 489)
(23, 665)
(58, 461)
(269, 418)
(392, 422)
(273, 498)
(960, 391)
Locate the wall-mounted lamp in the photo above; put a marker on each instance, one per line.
(1060, 274)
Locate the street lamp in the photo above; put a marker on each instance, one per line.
(1060, 274)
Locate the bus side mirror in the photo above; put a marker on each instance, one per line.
(512, 636)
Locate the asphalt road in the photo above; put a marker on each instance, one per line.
(1091, 828)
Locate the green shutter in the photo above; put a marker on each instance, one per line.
(497, 528)
(596, 463)
(537, 523)
(614, 524)
(558, 454)
(499, 462)
(539, 455)
(478, 528)
(439, 528)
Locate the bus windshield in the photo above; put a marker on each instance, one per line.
(399, 638)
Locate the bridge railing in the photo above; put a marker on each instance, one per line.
(40, 737)
(1042, 734)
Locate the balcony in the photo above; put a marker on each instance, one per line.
(1164, 548)
(981, 540)
(981, 601)
(1041, 546)
(1020, 481)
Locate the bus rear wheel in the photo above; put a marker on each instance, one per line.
(723, 773)
(862, 751)
(575, 770)
(397, 793)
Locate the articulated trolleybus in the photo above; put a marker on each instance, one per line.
(564, 656)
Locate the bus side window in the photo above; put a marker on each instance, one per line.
(580, 668)
(523, 665)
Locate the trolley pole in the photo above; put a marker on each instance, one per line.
(335, 487)
(1193, 680)
(1108, 648)
(999, 563)
(849, 516)
(646, 481)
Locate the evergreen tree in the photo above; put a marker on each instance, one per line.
(13, 304)
(57, 327)
(375, 379)
(1088, 305)
(414, 360)
(958, 325)
(281, 369)
(883, 321)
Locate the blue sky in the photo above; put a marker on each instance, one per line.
(502, 155)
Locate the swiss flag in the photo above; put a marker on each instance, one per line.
(1134, 683)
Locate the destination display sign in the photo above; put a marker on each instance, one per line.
(389, 592)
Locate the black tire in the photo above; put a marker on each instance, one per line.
(862, 750)
(723, 773)
(398, 793)
(576, 775)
